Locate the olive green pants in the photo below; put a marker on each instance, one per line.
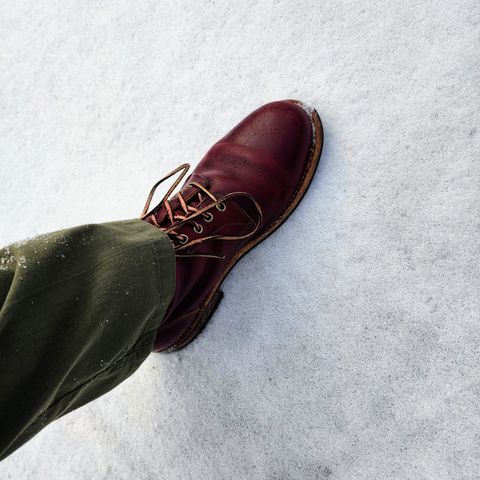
(78, 314)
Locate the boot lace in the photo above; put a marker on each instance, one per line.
(193, 215)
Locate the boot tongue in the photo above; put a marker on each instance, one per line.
(188, 191)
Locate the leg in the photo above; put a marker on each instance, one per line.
(79, 310)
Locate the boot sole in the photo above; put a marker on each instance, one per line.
(212, 301)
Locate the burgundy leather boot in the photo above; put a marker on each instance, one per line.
(244, 188)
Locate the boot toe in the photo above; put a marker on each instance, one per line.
(281, 130)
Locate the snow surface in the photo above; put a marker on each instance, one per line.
(347, 346)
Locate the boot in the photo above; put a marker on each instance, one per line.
(244, 188)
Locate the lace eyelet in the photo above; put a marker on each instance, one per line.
(208, 217)
(198, 229)
(221, 207)
(182, 239)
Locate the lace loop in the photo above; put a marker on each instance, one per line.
(208, 217)
(190, 213)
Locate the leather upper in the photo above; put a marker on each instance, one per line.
(265, 155)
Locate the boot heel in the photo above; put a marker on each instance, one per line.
(201, 322)
(208, 312)
(217, 298)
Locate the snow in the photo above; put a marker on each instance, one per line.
(347, 345)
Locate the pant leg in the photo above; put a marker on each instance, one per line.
(78, 313)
